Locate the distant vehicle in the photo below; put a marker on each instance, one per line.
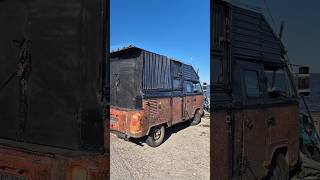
(205, 87)
(254, 99)
(150, 92)
(206, 96)
(53, 76)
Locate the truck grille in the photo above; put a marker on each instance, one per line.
(10, 177)
(153, 107)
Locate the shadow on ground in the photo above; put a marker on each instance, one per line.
(169, 131)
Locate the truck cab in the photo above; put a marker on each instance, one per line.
(255, 105)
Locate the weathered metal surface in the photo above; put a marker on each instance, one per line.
(120, 121)
(219, 145)
(283, 132)
(177, 109)
(153, 87)
(252, 36)
(247, 132)
(189, 73)
(38, 166)
(55, 52)
(155, 111)
(156, 71)
(125, 79)
(50, 73)
(254, 133)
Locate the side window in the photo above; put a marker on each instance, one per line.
(188, 87)
(176, 83)
(252, 83)
(196, 88)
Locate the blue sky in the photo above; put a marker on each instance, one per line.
(176, 28)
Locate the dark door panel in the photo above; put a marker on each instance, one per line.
(54, 50)
(253, 120)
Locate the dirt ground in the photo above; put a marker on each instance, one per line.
(185, 154)
(310, 170)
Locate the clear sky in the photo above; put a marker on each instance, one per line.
(302, 27)
(176, 28)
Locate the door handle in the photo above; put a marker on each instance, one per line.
(249, 123)
(271, 121)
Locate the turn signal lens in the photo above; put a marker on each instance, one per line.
(135, 123)
(79, 173)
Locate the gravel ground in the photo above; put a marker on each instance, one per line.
(185, 154)
(310, 169)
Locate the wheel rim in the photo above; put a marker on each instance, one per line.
(157, 134)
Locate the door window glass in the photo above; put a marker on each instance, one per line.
(188, 87)
(278, 83)
(176, 83)
(252, 84)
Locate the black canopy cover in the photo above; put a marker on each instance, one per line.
(51, 57)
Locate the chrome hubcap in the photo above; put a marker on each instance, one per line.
(157, 134)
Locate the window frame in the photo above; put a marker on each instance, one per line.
(258, 83)
(239, 89)
(289, 84)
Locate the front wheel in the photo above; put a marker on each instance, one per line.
(156, 136)
(196, 119)
(280, 169)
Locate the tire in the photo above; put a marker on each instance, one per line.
(280, 169)
(156, 136)
(196, 119)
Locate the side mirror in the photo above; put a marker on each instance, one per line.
(304, 81)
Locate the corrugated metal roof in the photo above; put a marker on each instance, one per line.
(253, 37)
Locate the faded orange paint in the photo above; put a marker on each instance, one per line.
(120, 121)
(256, 140)
(285, 132)
(40, 166)
(154, 112)
(177, 109)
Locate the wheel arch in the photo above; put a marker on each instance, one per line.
(195, 110)
(279, 150)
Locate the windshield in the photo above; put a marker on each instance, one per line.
(278, 82)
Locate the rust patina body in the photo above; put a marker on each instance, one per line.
(156, 111)
(29, 165)
(52, 124)
(255, 142)
(150, 92)
(255, 121)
